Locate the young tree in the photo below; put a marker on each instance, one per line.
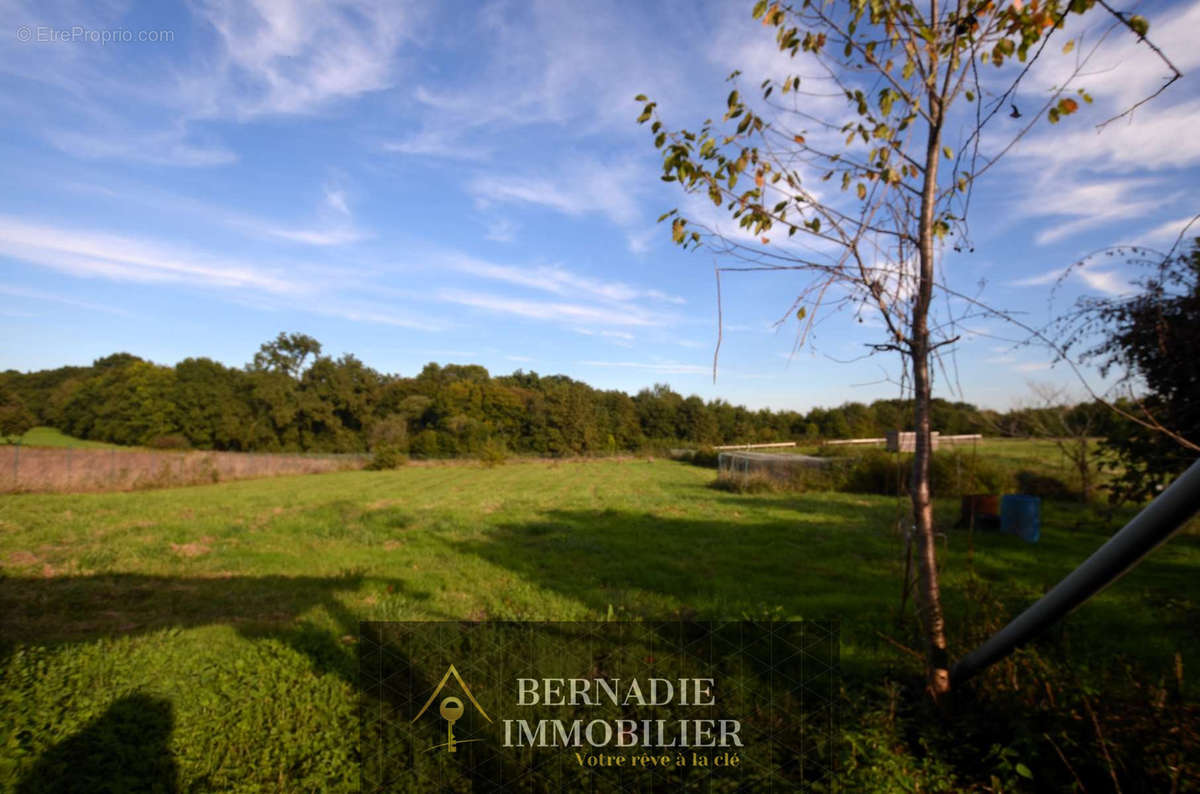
(905, 73)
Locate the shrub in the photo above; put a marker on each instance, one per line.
(877, 472)
(387, 457)
(951, 473)
(954, 473)
(170, 441)
(425, 444)
(1045, 486)
(493, 453)
(390, 431)
(706, 457)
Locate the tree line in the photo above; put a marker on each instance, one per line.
(291, 397)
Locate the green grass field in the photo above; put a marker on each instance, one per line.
(52, 437)
(224, 617)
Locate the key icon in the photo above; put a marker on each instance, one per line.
(451, 709)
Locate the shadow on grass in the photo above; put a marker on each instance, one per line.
(67, 609)
(125, 749)
(787, 556)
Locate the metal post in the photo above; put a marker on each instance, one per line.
(1153, 525)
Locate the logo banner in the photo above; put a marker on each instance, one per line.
(605, 706)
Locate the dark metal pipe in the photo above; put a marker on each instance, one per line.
(1153, 525)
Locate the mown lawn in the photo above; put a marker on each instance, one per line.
(222, 619)
(52, 437)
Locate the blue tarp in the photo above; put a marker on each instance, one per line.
(1021, 515)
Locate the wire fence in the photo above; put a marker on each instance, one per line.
(782, 467)
(66, 469)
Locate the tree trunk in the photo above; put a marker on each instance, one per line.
(929, 598)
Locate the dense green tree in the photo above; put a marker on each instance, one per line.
(15, 418)
(1150, 339)
(286, 354)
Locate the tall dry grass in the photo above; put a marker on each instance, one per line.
(44, 469)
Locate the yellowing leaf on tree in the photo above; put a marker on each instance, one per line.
(799, 139)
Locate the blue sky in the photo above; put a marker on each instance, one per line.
(465, 183)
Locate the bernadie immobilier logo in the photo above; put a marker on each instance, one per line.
(656, 735)
(605, 706)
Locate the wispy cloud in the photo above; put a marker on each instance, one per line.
(595, 314)
(334, 225)
(174, 147)
(578, 188)
(668, 367)
(39, 295)
(438, 143)
(291, 57)
(99, 254)
(557, 280)
(1167, 233)
(1082, 205)
(331, 223)
(235, 61)
(1107, 281)
(1051, 276)
(501, 230)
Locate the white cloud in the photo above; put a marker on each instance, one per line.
(501, 230)
(440, 143)
(1123, 70)
(331, 224)
(334, 226)
(1108, 281)
(639, 242)
(238, 60)
(552, 311)
(1167, 233)
(39, 295)
(668, 367)
(1078, 205)
(557, 280)
(164, 147)
(98, 254)
(286, 56)
(579, 188)
(366, 313)
(1040, 280)
(1155, 138)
